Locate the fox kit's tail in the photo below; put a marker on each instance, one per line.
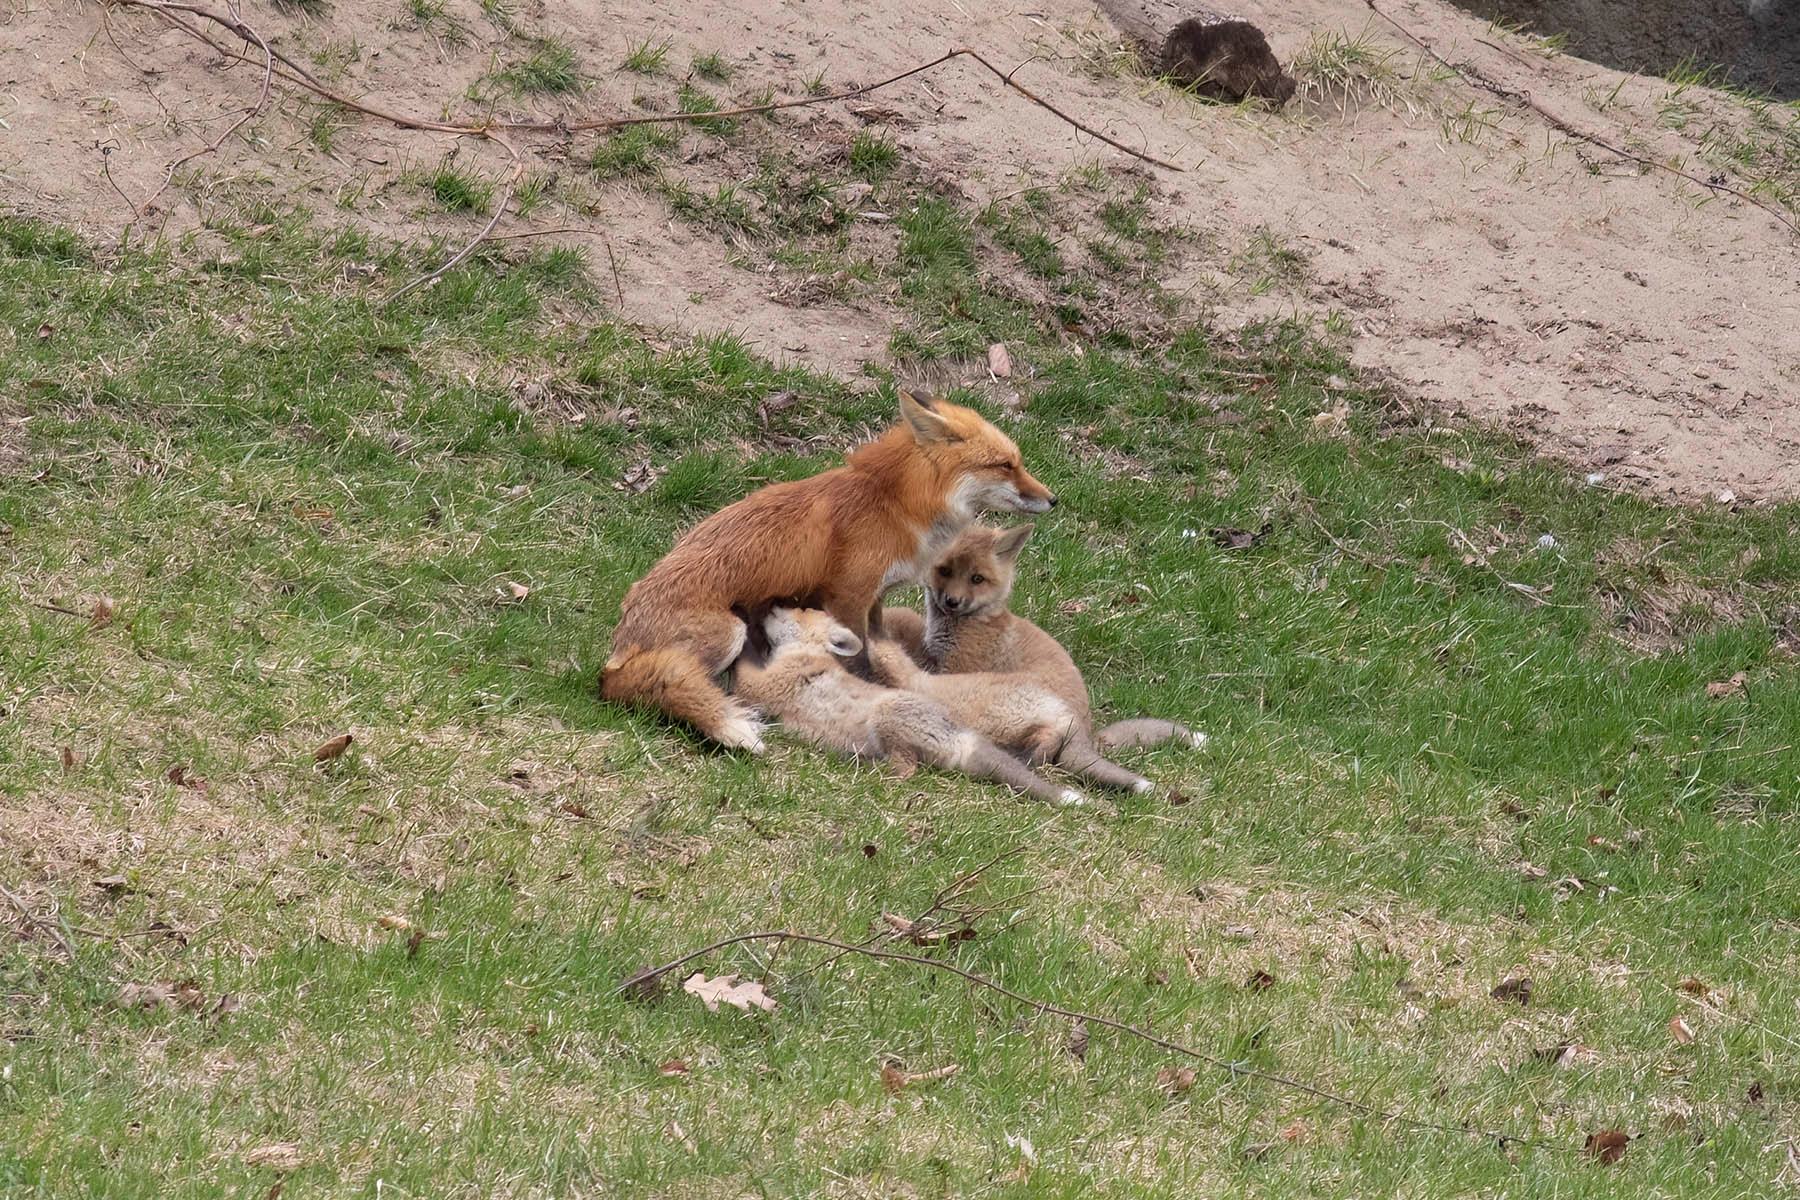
(1145, 731)
(675, 681)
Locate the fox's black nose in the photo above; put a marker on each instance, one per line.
(1053, 502)
(951, 603)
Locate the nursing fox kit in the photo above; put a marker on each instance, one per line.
(837, 541)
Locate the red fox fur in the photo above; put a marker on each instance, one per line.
(837, 541)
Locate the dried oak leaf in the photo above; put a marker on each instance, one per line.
(1694, 987)
(1608, 1145)
(727, 989)
(1722, 688)
(1681, 1031)
(1227, 537)
(68, 760)
(1077, 1045)
(1176, 1081)
(1508, 990)
(1260, 981)
(279, 1156)
(334, 748)
(999, 362)
(675, 1068)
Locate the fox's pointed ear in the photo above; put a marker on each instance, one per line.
(843, 643)
(925, 421)
(1008, 544)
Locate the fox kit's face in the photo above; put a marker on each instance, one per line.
(976, 576)
(812, 628)
(989, 475)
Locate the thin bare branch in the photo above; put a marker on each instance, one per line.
(636, 984)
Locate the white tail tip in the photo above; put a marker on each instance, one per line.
(1142, 786)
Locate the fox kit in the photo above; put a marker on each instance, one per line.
(803, 681)
(837, 541)
(1003, 675)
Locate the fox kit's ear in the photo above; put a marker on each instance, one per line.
(843, 643)
(1008, 544)
(927, 424)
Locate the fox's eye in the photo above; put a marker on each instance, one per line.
(978, 580)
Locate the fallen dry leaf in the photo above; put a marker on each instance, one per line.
(1755, 1094)
(1260, 981)
(1694, 987)
(1077, 1045)
(68, 760)
(1727, 687)
(516, 591)
(113, 883)
(1565, 1055)
(638, 477)
(44, 331)
(1176, 1081)
(999, 361)
(1681, 1031)
(681, 1135)
(1608, 1145)
(675, 1068)
(414, 942)
(185, 994)
(894, 1078)
(279, 1156)
(1512, 989)
(1295, 1131)
(333, 748)
(395, 922)
(101, 615)
(1333, 420)
(1229, 538)
(746, 995)
(178, 775)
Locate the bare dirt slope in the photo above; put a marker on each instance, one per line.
(1618, 315)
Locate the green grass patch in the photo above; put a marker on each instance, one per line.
(459, 191)
(551, 68)
(1445, 753)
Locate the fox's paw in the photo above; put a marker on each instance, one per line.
(740, 732)
(1142, 786)
(1197, 740)
(1070, 798)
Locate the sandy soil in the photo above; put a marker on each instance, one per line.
(1484, 263)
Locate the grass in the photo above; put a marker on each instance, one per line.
(551, 69)
(459, 191)
(873, 156)
(714, 66)
(309, 509)
(634, 150)
(434, 17)
(647, 57)
(691, 99)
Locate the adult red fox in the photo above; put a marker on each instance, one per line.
(837, 541)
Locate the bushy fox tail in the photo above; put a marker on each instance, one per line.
(674, 681)
(1145, 731)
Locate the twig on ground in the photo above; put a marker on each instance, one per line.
(1475, 78)
(250, 113)
(636, 985)
(507, 190)
(53, 928)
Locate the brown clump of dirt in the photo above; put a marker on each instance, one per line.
(1620, 316)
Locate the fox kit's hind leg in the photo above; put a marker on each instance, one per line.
(1145, 731)
(977, 756)
(1078, 756)
(681, 680)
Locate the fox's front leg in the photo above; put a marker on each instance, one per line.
(853, 602)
